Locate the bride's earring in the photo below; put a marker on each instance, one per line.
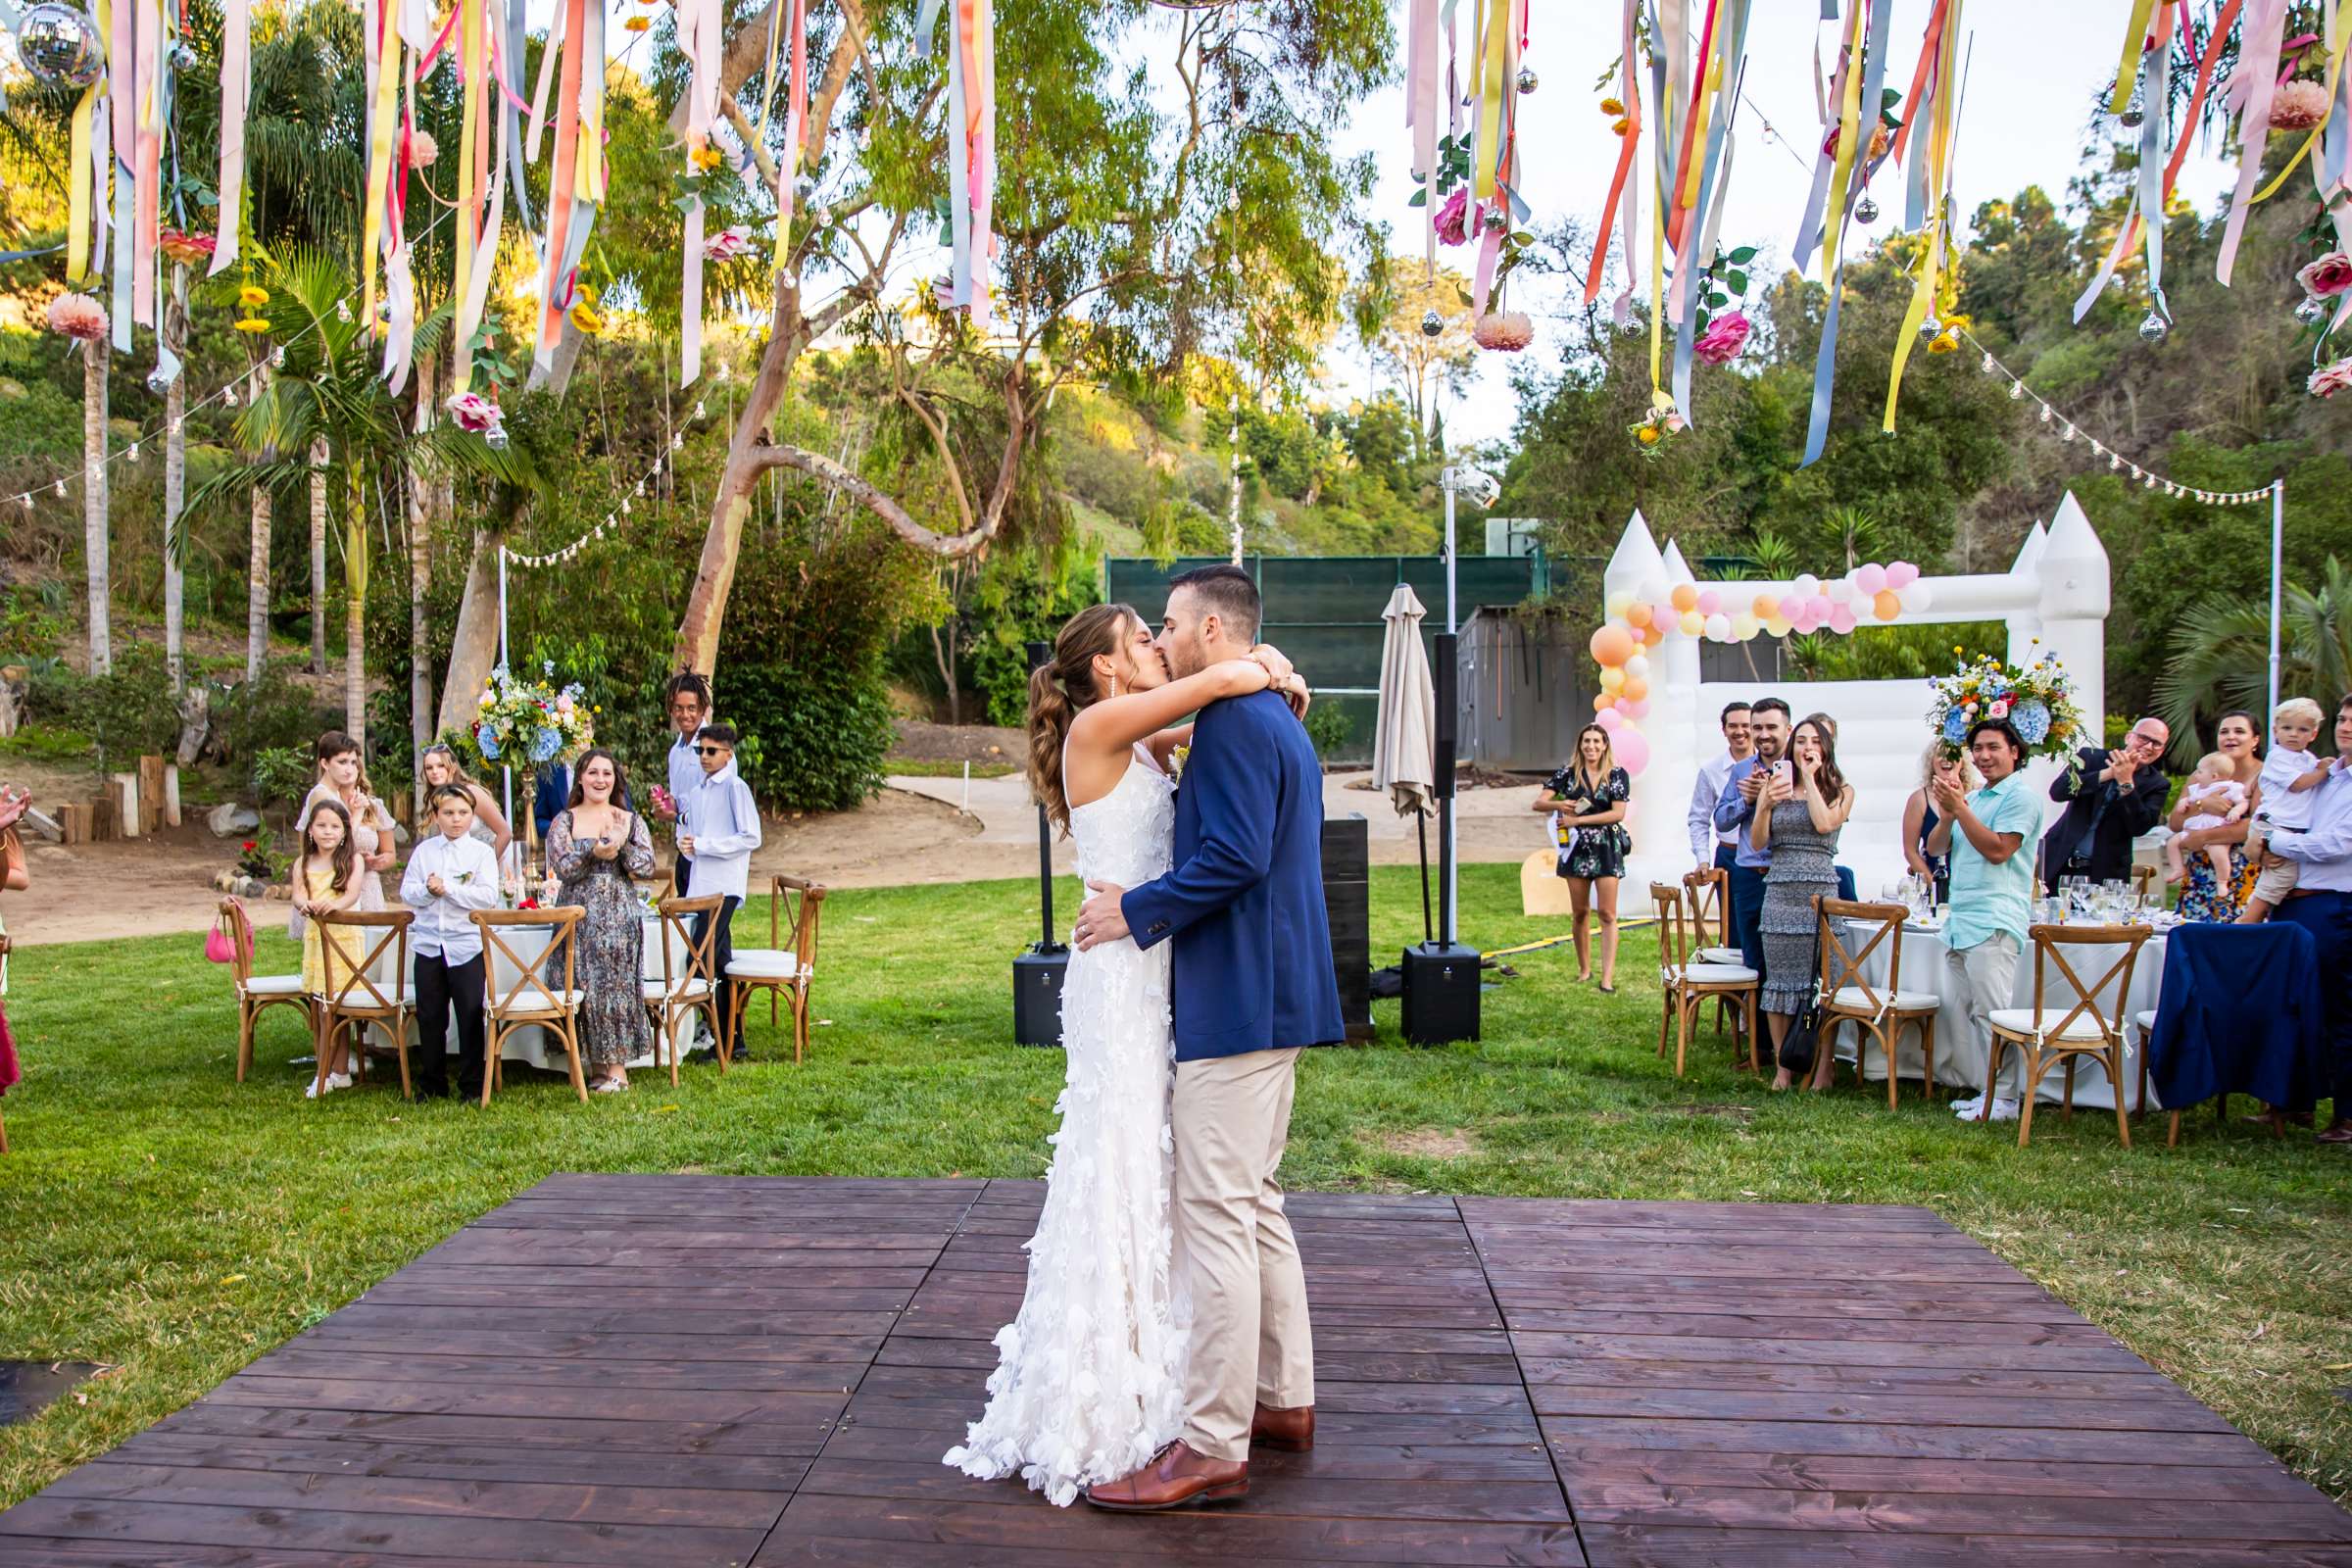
(1115, 684)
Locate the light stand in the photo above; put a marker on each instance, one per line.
(1038, 974)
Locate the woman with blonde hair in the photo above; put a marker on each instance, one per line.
(1919, 821)
(440, 766)
(1590, 795)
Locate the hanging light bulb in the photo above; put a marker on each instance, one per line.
(134, 452)
(700, 408)
(2045, 414)
(229, 394)
(2114, 461)
(2147, 481)
(2016, 389)
(26, 498)
(277, 355)
(2066, 434)
(61, 487)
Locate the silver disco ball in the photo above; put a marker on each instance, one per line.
(1866, 211)
(2153, 327)
(60, 46)
(183, 57)
(1527, 79)
(1432, 324)
(495, 438)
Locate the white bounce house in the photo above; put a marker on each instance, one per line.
(2053, 599)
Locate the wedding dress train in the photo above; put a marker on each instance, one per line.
(1090, 1379)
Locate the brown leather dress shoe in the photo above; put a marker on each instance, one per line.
(1292, 1430)
(1178, 1478)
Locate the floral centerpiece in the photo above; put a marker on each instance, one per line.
(524, 722)
(2038, 701)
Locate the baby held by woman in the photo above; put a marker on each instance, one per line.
(2217, 800)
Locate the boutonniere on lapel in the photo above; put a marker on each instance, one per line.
(1176, 761)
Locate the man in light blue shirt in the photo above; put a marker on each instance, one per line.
(2321, 904)
(1989, 835)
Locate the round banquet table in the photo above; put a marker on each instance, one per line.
(1962, 1050)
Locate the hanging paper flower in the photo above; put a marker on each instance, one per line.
(251, 324)
(253, 296)
(639, 24)
(1726, 335)
(1612, 106)
(1452, 216)
(2329, 380)
(585, 315)
(734, 242)
(2326, 278)
(78, 316)
(1506, 332)
(474, 413)
(188, 250)
(422, 150)
(2298, 106)
(1650, 436)
(1946, 341)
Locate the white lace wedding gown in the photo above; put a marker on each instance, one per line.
(1090, 1379)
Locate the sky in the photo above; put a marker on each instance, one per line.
(2035, 67)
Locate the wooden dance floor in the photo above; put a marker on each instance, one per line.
(631, 1370)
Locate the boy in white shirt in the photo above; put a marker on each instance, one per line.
(718, 828)
(2288, 776)
(449, 876)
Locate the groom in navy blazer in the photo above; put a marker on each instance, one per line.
(1243, 913)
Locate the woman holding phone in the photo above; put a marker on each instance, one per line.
(1800, 811)
(1590, 795)
(597, 850)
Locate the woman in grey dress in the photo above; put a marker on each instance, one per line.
(596, 849)
(1801, 810)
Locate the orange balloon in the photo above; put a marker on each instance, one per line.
(1765, 606)
(1634, 688)
(1612, 645)
(1603, 701)
(1685, 597)
(1886, 605)
(1652, 635)
(1636, 617)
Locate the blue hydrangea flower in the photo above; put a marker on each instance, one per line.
(2031, 720)
(1955, 727)
(545, 744)
(487, 739)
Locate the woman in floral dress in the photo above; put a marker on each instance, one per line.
(597, 850)
(2202, 896)
(1590, 795)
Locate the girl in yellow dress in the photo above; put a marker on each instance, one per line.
(326, 878)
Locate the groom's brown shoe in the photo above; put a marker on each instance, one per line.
(1178, 1478)
(1292, 1430)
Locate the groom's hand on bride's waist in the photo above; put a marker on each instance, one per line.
(1100, 917)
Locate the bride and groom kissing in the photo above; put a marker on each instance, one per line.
(1164, 1330)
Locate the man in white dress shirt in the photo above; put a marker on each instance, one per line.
(2321, 904)
(718, 826)
(688, 698)
(1710, 849)
(451, 875)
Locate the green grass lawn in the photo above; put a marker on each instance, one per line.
(160, 1217)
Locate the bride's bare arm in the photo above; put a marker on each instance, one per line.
(1110, 726)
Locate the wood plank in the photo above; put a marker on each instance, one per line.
(560, 1461)
(1673, 1547)
(2217, 1449)
(355, 1491)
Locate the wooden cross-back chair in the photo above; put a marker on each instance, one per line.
(4, 951)
(535, 996)
(2048, 1036)
(2144, 877)
(678, 996)
(254, 992)
(1688, 984)
(357, 991)
(1709, 891)
(1877, 1012)
(781, 971)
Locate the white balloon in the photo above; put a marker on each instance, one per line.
(1839, 590)
(1637, 667)
(1617, 603)
(1653, 591)
(1806, 586)
(1914, 598)
(1744, 626)
(1719, 628)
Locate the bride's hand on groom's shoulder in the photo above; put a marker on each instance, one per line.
(1292, 690)
(1277, 668)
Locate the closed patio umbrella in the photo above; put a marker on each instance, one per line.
(1404, 730)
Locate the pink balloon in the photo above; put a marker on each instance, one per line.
(1668, 619)
(1902, 575)
(1633, 752)
(1822, 608)
(1869, 579)
(1710, 599)
(1841, 619)
(1609, 719)
(1636, 711)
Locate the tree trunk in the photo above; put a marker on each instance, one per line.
(943, 653)
(420, 582)
(474, 649)
(94, 504)
(257, 589)
(355, 610)
(318, 557)
(176, 488)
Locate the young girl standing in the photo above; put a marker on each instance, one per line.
(326, 878)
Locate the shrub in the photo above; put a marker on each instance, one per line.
(272, 713)
(282, 774)
(127, 712)
(1328, 726)
(32, 622)
(811, 743)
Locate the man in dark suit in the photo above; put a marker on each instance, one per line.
(550, 797)
(1244, 911)
(2112, 797)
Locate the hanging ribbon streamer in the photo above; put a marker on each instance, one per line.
(481, 178)
(1495, 206)
(1862, 88)
(86, 180)
(701, 37)
(2248, 96)
(381, 46)
(796, 121)
(1422, 42)
(971, 143)
(1934, 104)
(121, 97)
(2154, 183)
(1707, 179)
(148, 105)
(563, 185)
(1621, 187)
(236, 86)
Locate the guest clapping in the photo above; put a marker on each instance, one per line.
(440, 766)
(1590, 795)
(1990, 835)
(1920, 819)
(1800, 810)
(343, 778)
(2112, 797)
(596, 847)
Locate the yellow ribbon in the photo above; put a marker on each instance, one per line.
(385, 121)
(1487, 77)
(2127, 70)
(2335, 70)
(1848, 125)
(1659, 397)
(78, 189)
(1940, 150)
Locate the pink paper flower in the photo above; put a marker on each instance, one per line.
(474, 413)
(1453, 215)
(2298, 106)
(422, 150)
(729, 244)
(1505, 333)
(2326, 278)
(78, 316)
(1726, 335)
(188, 249)
(2327, 381)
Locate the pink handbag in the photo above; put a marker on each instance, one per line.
(220, 948)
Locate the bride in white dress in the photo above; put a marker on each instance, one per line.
(1089, 1383)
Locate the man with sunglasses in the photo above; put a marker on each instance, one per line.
(718, 828)
(2112, 797)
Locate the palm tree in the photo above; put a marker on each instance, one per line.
(1852, 533)
(2221, 653)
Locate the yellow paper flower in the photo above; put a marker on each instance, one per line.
(1648, 435)
(1612, 106)
(587, 318)
(1943, 342)
(251, 295)
(638, 24)
(252, 324)
(1621, 127)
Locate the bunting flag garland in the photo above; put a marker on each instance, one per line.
(971, 143)
(1933, 100)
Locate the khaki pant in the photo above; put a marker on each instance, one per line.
(1251, 1341)
(1986, 976)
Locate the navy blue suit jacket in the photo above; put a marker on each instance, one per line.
(552, 794)
(1243, 903)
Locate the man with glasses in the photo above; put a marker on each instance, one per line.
(718, 826)
(2112, 797)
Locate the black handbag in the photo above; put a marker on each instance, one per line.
(1795, 1055)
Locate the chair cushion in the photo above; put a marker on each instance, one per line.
(1904, 1000)
(679, 991)
(1719, 975)
(2146, 1020)
(1718, 956)
(762, 964)
(2022, 1021)
(274, 985)
(532, 1001)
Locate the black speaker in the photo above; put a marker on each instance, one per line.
(1446, 676)
(1348, 908)
(1037, 979)
(1440, 993)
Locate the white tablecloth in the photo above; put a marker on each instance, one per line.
(1962, 1050)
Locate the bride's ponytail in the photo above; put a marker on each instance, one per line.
(1061, 686)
